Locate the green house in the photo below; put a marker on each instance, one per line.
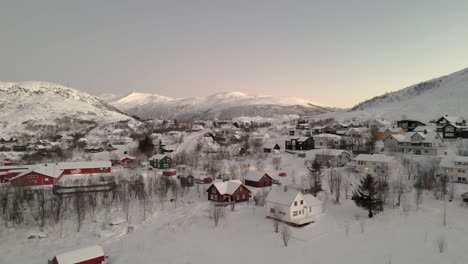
(160, 161)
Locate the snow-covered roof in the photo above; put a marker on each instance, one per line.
(53, 172)
(82, 164)
(461, 159)
(331, 152)
(80, 255)
(282, 196)
(424, 128)
(310, 200)
(326, 135)
(319, 127)
(357, 130)
(392, 129)
(227, 187)
(374, 158)
(428, 137)
(254, 176)
(382, 122)
(300, 139)
(453, 119)
(399, 137)
(158, 157)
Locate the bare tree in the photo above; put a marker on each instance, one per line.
(276, 217)
(285, 234)
(399, 187)
(331, 180)
(419, 188)
(79, 204)
(338, 185)
(276, 162)
(41, 208)
(216, 213)
(347, 228)
(441, 243)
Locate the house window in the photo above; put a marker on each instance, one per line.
(213, 190)
(295, 213)
(272, 210)
(243, 196)
(302, 202)
(461, 170)
(215, 197)
(46, 179)
(295, 203)
(237, 197)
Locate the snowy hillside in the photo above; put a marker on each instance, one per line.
(225, 105)
(31, 107)
(425, 101)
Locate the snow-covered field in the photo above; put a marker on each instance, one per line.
(186, 235)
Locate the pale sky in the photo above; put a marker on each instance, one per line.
(336, 53)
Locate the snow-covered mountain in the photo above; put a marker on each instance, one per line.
(424, 101)
(224, 105)
(28, 108)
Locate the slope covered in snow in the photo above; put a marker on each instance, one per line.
(424, 101)
(32, 107)
(225, 105)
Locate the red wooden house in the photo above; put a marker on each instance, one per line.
(9, 172)
(258, 179)
(35, 177)
(228, 191)
(50, 173)
(90, 255)
(170, 172)
(128, 161)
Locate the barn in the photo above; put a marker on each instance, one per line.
(228, 191)
(70, 168)
(9, 172)
(35, 177)
(258, 179)
(90, 255)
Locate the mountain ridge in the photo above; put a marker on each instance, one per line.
(223, 105)
(33, 107)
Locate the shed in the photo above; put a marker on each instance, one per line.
(258, 179)
(89, 255)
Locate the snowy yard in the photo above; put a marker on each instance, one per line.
(185, 235)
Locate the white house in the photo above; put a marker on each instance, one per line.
(376, 164)
(455, 167)
(290, 206)
(422, 143)
(333, 157)
(392, 143)
(327, 141)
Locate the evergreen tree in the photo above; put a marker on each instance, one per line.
(366, 195)
(146, 146)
